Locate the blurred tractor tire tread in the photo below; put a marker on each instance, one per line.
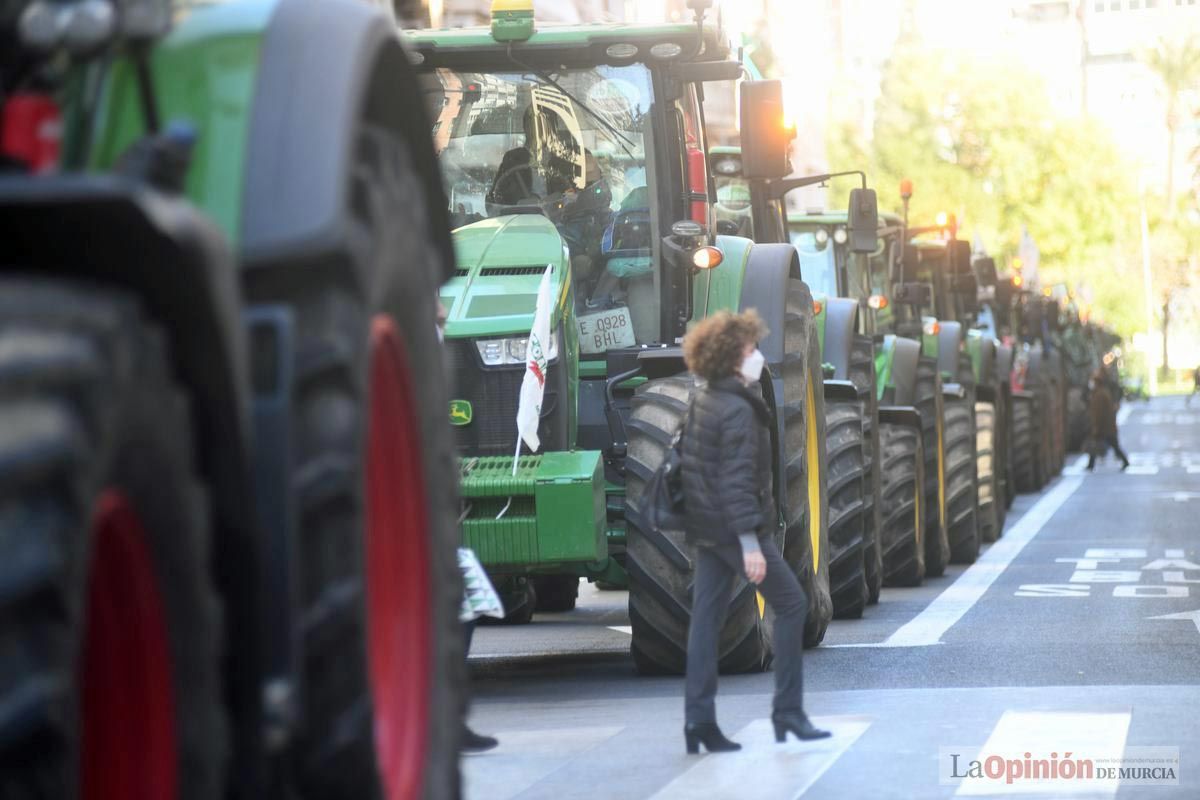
(929, 404)
(390, 246)
(1025, 447)
(847, 507)
(985, 459)
(961, 489)
(862, 373)
(903, 521)
(659, 563)
(88, 404)
(556, 593)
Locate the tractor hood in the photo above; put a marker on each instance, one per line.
(500, 263)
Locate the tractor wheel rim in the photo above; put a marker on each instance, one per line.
(128, 742)
(397, 567)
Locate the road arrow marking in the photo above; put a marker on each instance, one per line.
(1194, 616)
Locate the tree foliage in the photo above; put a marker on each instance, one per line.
(982, 140)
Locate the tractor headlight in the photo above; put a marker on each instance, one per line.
(839, 235)
(512, 350)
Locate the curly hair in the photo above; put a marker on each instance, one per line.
(713, 348)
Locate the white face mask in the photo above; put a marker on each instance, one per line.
(752, 367)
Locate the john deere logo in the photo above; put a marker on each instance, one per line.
(460, 412)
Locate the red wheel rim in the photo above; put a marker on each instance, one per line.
(128, 745)
(397, 566)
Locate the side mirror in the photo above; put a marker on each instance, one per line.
(864, 221)
(960, 257)
(913, 294)
(764, 136)
(968, 292)
(910, 263)
(985, 271)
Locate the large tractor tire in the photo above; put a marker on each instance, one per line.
(1077, 419)
(659, 563)
(986, 472)
(847, 507)
(374, 488)
(806, 531)
(903, 458)
(1002, 458)
(961, 488)
(556, 593)
(1025, 447)
(111, 641)
(928, 390)
(862, 374)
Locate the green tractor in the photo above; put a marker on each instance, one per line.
(993, 360)
(1039, 385)
(225, 469)
(754, 208)
(582, 149)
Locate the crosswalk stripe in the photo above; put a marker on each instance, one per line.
(525, 757)
(1085, 735)
(765, 769)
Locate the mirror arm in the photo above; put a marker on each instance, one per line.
(781, 187)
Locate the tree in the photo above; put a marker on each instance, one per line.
(1177, 65)
(981, 139)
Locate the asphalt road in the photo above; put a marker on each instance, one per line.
(1078, 632)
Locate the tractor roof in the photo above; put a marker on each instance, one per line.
(574, 43)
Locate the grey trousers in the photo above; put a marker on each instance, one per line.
(716, 570)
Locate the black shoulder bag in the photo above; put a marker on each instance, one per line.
(663, 497)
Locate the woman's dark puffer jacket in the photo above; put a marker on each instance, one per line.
(726, 470)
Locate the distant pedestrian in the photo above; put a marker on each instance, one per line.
(730, 514)
(1102, 412)
(1195, 386)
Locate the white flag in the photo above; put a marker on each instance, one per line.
(529, 411)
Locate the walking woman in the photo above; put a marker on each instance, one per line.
(1102, 412)
(731, 516)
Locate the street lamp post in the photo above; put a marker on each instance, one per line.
(1146, 283)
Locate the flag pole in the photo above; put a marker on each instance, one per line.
(516, 460)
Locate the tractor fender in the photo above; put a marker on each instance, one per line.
(1033, 367)
(949, 340)
(906, 355)
(764, 288)
(841, 317)
(108, 229)
(1004, 364)
(987, 361)
(900, 415)
(304, 123)
(840, 390)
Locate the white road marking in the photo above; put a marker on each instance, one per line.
(1094, 736)
(1123, 414)
(627, 629)
(948, 608)
(525, 757)
(1142, 470)
(1173, 553)
(1194, 616)
(1193, 469)
(763, 768)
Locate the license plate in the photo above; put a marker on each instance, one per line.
(606, 330)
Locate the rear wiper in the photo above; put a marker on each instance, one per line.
(615, 134)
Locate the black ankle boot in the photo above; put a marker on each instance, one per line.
(695, 733)
(473, 742)
(797, 723)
